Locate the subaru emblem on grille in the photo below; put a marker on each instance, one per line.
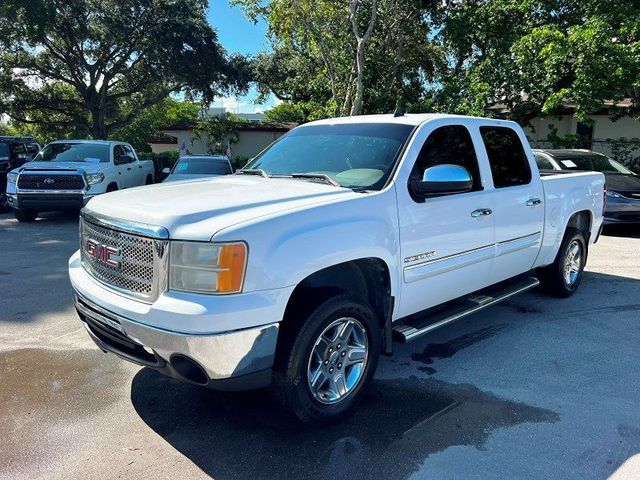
(104, 253)
(48, 180)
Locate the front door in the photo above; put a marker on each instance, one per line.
(447, 242)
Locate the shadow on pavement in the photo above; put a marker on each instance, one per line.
(398, 425)
(626, 231)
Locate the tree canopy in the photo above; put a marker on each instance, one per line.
(92, 66)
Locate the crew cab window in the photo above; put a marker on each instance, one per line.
(119, 151)
(129, 151)
(509, 164)
(33, 148)
(448, 145)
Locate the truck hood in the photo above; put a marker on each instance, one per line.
(196, 210)
(75, 166)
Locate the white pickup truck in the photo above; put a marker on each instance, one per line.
(66, 174)
(341, 237)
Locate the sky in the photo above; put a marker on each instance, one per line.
(238, 35)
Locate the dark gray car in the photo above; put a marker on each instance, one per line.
(623, 185)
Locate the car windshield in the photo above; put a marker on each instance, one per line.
(74, 152)
(358, 155)
(594, 162)
(202, 166)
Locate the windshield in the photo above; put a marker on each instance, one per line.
(359, 155)
(74, 152)
(594, 162)
(201, 166)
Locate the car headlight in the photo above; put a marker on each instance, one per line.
(203, 267)
(93, 178)
(12, 177)
(612, 194)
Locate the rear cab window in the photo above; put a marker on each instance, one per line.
(507, 158)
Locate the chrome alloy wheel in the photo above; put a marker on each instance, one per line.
(337, 361)
(572, 263)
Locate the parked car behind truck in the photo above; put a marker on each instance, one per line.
(623, 185)
(341, 237)
(15, 151)
(66, 174)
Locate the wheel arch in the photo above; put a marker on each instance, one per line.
(368, 279)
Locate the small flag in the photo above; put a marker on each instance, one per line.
(228, 152)
(183, 150)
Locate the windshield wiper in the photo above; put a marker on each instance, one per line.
(254, 171)
(317, 177)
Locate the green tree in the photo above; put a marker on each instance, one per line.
(352, 56)
(94, 65)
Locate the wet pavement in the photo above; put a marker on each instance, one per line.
(534, 388)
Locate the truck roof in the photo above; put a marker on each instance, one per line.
(406, 119)
(97, 142)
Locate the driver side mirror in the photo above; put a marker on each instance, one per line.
(166, 170)
(443, 179)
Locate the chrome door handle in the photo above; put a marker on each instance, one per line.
(481, 212)
(532, 202)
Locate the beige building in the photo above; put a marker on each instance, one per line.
(252, 139)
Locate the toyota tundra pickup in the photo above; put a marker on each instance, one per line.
(66, 174)
(343, 236)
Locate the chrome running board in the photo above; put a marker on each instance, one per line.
(417, 325)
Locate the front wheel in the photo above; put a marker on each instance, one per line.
(4, 205)
(564, 275)
(324, 369)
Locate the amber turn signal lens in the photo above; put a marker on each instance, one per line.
(232, 261)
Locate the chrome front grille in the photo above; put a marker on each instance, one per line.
(137, 266)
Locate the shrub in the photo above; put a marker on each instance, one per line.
(160, 161)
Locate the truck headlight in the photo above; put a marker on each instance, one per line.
(93, 178)
(612, 194)
(203, 267)
(12, 177)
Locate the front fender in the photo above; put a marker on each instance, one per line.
(288, 247)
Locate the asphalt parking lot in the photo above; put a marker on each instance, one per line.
(534, 388)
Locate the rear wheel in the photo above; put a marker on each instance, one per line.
(25, 216)
(564, 275)
(149, 180)
(323, 370)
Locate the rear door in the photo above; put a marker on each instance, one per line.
(447, 248)
(518, 201)
(127, 177)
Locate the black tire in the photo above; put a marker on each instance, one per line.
(112, 188)
(149, 180)
(25, 216)
(291, 372)
(4, 206)
(554, 278)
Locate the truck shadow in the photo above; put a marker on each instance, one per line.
(399, 424)
(625, 231)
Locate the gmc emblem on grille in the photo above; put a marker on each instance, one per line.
(104, 253)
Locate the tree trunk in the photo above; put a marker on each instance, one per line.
(361, 44)
(98, 123)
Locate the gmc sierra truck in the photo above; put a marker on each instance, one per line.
(66, 174)
(343, 236)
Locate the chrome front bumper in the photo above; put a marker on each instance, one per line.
(238, 360)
